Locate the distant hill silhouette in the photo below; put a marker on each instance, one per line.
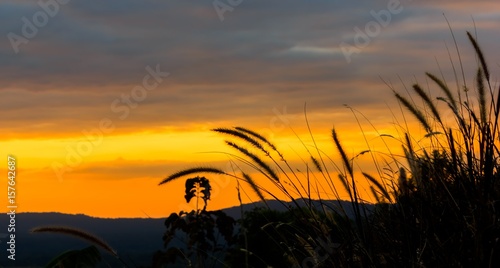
(135, 239)
(346, 206)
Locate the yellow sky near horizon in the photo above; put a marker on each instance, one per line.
(119, 176)
(103, 101)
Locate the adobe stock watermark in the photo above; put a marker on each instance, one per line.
(122, 108)
(223, 6)
(363, 37)
(30, 27)
(278, 122)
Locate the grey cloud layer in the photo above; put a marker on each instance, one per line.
(263, 55)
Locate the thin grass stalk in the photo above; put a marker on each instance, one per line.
(458, 51)
(495, 129)
(355, 201)
(482, 97)
(256, 144)
(378, 185)
(274, 148)
(269, 171)
(329, 180)
(375, 194)
(480, 55)
(484, 66)
(453, 152)
(346, 185)
(459, 94)
(258, 136)
(282, 188)
(367, 143)
(420, 117)
(343, 155)
(83, 235)
(242, 136)
(307, 175)
(410, 157)
(243, 228)
(444, 88)
(241, 133)
(427, 101)
(316, 164)
(254, 187)
(347, 164)
(190, 171)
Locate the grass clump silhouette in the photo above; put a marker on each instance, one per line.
(440, 209)
(447, 212)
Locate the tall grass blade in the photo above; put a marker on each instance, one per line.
(346, 161)
(480, 55)
(345, 184)
(403, 182)
(375, 194)
(482, 96)
(420, 117)
(427, 101)
(458, 53)
(316, 164)
(191, 171)
(78, 234)
(378, 185)
(241, 136)
(444, 88)
(254, 186)
(256, 135)
(256, 159)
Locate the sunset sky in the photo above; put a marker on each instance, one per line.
(89, 138)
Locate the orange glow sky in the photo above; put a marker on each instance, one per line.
(255, 67)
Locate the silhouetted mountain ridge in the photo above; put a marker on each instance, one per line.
(135, 239)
